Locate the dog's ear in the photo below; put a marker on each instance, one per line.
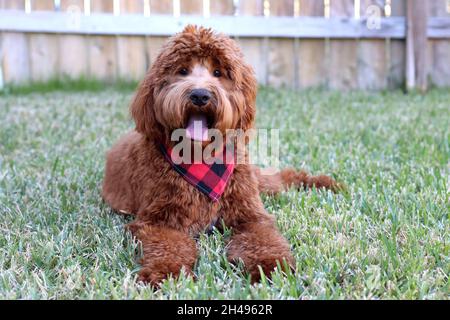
(249, 85)
(142, 112)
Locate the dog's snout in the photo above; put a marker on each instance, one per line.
(200, 97)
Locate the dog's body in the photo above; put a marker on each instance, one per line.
(170, 211)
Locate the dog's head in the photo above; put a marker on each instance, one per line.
(198, 76)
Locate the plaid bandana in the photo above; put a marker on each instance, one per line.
(210, 179)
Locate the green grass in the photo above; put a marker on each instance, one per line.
(68, 85)
(387, 238)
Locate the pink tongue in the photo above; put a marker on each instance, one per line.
(197, 128)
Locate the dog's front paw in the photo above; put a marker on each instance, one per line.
(155, 277)
(149, 276)
(268, 265)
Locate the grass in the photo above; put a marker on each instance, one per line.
(387, 238)
(68, 85)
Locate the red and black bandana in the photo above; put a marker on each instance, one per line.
(210, 179)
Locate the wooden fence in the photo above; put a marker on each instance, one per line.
(338, 44)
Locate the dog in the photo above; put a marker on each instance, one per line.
(199, 74)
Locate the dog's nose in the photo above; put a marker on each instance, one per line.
(200, 97)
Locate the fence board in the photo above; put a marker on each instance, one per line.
(102, 57)
(281, 55)
(254, 49)
(44, 48)
(12, 4)
(132, 61)
(153, 47)
(372, 65)
(132, 6)
(161, 6)
(73, 48)
(74, 56)
(191, 7)
(285, 51)
(42, 5)
(102, 50)
(44, 56)
(439, 49)
(102, 6)
(14, 63)
(72, 6)
(251, 7)
(163, 25)
(224, 7)
(311, 53)
(281, 8)
(398, 8)
(14, 58)
(372, 55)
(154, 44)
(343, 54)
(397, 52)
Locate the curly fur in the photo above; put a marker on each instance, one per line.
(168, 211)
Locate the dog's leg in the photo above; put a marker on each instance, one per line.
(165, 252)
(259, 245)
(274, 183)
(255, 238)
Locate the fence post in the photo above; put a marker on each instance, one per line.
(416, 45)
(397, 50)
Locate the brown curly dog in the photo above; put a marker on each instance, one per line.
(199, 75)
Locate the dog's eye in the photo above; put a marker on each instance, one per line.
(183, 72)
(217, 73)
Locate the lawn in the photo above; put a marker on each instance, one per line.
(388, 237)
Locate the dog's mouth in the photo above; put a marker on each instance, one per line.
(197, 126)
